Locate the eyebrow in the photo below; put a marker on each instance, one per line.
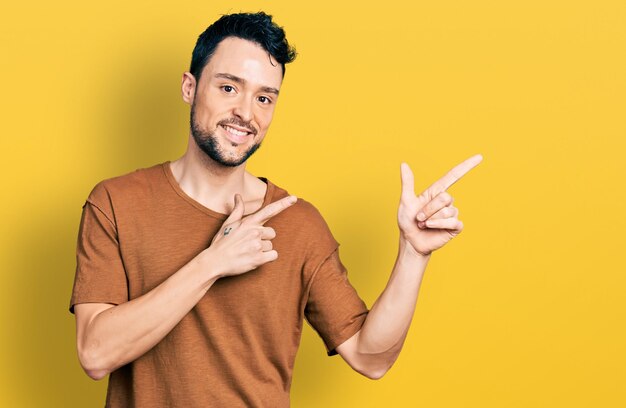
(242, 81)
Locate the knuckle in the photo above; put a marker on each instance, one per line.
(446, 198)
(230, 224)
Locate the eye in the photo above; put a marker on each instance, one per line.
(228, 88)
(265, 100)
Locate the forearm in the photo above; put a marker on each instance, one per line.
(387, 324)
(123, 333)
(426, 222)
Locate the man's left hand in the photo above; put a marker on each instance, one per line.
(429, 221)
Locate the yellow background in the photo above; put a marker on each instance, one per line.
(524, 309)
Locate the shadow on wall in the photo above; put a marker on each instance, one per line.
(145, 122)
(145, 118)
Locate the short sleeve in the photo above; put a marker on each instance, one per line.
(100, 274)
(333, 308)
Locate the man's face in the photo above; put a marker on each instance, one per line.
(234, 101)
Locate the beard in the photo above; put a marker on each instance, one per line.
(208, 142)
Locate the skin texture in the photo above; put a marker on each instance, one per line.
(240, 94)
(426, 222)
(239, 88)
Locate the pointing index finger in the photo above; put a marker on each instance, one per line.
(264, 214)
(455, 174)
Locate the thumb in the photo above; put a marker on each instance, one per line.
(237, 212)
(407, 181)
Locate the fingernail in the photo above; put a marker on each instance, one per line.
(421, 216)
(293, 199)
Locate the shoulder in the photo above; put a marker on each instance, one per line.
(302, 210)
(304, 220)
(128, 187)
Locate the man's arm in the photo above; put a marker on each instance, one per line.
(109, 336)
(374, 349)
(426, 222)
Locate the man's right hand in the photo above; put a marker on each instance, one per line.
(110, 336)
(243, 243)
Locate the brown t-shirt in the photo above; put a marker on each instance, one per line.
(237, 346)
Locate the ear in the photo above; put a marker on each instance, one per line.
(188, 87)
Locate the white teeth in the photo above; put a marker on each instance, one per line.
(235, 131)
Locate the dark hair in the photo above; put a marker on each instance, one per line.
(256, 27)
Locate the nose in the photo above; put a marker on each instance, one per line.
(243, 109)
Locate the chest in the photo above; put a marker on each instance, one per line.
(155, 247)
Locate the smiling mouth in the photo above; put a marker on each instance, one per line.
(235, 132)
(236, 136)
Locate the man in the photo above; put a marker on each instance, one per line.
(193, 277)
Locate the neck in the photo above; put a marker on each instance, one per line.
(211, 183)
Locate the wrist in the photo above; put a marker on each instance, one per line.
(407, 249)
(208, 266)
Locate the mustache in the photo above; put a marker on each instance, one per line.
(238, 122)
